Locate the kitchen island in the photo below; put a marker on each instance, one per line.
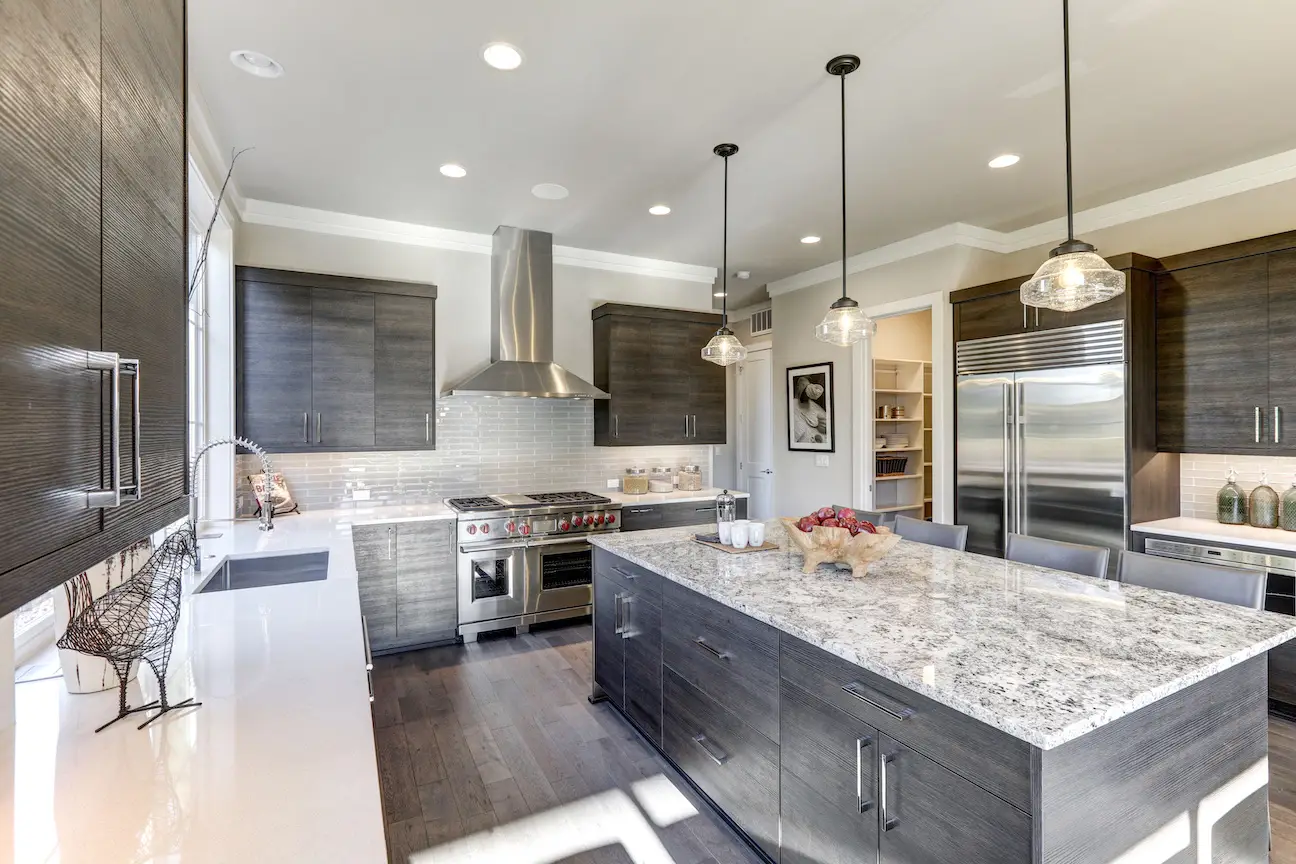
(949, 707)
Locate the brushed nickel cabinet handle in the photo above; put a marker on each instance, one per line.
(627, 601)
(1036, 316)
(364, 631)
(714, 753)
(888, 821)
(625, 573)
(707, 647)
(616, 614)
(306, 427)
(427, 427)
(135, 491)
(1024, 314)
(901, 713)
(1257, 425)
(862, 804)
(1277, 426)
(106, 361)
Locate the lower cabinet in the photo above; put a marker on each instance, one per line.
(627, 652)
(408, 585)
(640, 517)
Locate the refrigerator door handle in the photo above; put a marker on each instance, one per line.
(1019, 460)
(1007, 462)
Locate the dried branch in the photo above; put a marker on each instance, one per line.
(201, 264)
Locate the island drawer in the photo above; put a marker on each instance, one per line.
(630, 576)
(728, 656)
(994, 760)
(737, 768)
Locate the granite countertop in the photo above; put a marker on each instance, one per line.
(676, 497)
(1264, 539)
(1042, 655)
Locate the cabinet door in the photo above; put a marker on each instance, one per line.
(342, 368)
(641, 620)
(707, 392)
(144, 283)
(375, 554)
(426, 592)
(631, 359)
(609, 647)
(274, 361)
(673, 351)
(1212, 357)
(930, 815)
(404, 377)
(1108, 310)
(828, 784)
(996, 315)
(1282, 352)
(49, 282)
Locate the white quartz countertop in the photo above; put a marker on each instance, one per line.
(667, 497)
(277, 765)
(1266, 539)
(362, 513)
(1043, 655)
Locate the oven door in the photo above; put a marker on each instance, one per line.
(560, 574)
(492, 583)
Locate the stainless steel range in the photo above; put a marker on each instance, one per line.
(523, 559)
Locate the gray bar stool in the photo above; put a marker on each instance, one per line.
(932, 533)
(1208, 581)
(1071, 557)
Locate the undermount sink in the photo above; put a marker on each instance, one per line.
(264, 570)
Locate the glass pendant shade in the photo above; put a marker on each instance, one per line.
(845, 324)
(724, 349)
(1071, 281)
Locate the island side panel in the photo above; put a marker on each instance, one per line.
(1096, 797)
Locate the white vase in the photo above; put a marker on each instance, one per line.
(81, 672)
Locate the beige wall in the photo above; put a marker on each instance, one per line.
(904, 337)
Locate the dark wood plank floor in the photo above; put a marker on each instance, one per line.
(474, 736)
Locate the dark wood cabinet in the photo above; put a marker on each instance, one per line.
(92, 236)
(408, 584)
(997, 310)
(641, 517)
(329, 363)
(662, 391)
(628, 641)
(1282, 352)
(609, 647)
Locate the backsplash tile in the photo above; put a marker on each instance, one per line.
(483, 445)
(1201, 476)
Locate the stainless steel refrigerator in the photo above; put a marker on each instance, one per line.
(1041, 439)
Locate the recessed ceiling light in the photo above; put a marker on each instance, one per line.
(718, 294)
(810, 238)
(1005, 160)
(256, 63)
(450, 169)
(502, 55)
(659, 210)
(549, 191)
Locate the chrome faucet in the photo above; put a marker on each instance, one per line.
(267, 508)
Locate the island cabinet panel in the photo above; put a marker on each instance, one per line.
(929, 815)
(730, 657)
(994, 760)
(375, 554)
(641, 630)
(609, 647)
(733, 764)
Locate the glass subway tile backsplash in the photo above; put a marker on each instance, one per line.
(483, 446)
(1201, 477)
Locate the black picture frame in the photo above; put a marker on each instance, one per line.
(804, 436)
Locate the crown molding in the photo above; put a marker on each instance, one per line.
(206, 154)
(258, 212)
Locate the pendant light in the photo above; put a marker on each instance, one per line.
(1075, 276)
(845, 324)
(724, 349)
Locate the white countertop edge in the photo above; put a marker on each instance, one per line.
(1042, 740)
(1265, 539)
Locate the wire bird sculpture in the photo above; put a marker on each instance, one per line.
(136, 621)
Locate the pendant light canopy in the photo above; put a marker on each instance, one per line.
(1075, 276)
(724, 349)
(845, 324)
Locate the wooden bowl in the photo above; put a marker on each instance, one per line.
(837, 546)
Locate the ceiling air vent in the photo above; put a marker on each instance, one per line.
(762, 322)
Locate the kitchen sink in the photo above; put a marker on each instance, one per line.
(264, 570)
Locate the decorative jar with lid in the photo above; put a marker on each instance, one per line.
(690, 478)
(661, 479)
(1231, 502)
(635, 482)
(1263, 505)
(1287, 514)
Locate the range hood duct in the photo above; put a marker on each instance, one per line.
(522, 325)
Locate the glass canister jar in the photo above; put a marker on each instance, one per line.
(661, 479)
(1287, 513)
(1231, 503)
(635, 482)
(690, 478)
(1263, 506)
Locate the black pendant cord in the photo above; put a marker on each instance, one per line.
(724, 255)
(843, 181)
(1066, 95)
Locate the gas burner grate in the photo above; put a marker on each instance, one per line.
(567, 498)
(481, 502)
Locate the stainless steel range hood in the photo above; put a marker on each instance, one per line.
(522, 325)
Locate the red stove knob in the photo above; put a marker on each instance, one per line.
(598, 519)
(564, 525)
(510, 527)
(611, 519)
(472, 529)
(589, 520)
(526, 529)
(485, 529)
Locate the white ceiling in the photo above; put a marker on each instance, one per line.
(622, 102)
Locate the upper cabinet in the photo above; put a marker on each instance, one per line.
(334, 363)
(1226, 373)
(662, 391)
(996, 310)
(92, 236)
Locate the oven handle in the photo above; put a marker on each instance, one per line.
(560, 541)
(491, 546)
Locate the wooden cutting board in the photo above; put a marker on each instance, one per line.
(766, 547)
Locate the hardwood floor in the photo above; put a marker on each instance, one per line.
(471, 737)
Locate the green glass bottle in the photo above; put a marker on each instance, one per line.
(1287, 514)
(1263, 506)
(1231, 502)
